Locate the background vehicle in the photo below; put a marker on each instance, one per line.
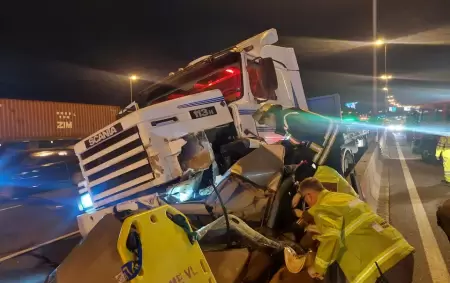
(433, 120)
(395, 124)
(25, 172)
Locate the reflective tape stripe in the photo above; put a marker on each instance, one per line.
(382, 258)
(363, 218)
(322, 263)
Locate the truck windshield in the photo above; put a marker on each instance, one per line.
(222, 72)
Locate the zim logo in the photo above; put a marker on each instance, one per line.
(103, 135)
(64, 124)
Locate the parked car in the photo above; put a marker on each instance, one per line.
(25, 172)
(425, 145)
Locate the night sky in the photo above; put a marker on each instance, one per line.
(84, 52)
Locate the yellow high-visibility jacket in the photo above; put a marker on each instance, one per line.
(443, 144)
(355, 237)
(326, 174)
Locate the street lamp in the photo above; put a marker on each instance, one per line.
(132, 78)
(385, 88)
(379, 42)
(385, 76)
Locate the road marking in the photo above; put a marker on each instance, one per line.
(436, 264)
(11, 207)
(13, 255)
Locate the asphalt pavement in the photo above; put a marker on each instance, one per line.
(415, 191)
(28, 223)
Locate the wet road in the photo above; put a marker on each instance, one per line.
(30, 222)
(415, 191)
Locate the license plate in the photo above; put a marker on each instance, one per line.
(203, 112)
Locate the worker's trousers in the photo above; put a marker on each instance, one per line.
(446, 163)
(402, 272)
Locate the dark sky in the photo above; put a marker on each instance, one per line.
(83, 52)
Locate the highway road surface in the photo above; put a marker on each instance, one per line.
(27, 223)
(414, 190)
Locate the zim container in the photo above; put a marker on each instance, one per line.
(40, 120)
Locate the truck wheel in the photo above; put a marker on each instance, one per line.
(347, 161)
(427, 157)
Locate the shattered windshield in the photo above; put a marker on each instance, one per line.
(222, 72)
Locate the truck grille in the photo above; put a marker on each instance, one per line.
(116, 165)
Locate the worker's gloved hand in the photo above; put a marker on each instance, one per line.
(298, 213)
(313, 273)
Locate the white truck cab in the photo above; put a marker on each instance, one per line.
(143, 152)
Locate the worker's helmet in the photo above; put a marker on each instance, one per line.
(263, 112)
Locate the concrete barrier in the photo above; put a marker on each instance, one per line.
(369, 172)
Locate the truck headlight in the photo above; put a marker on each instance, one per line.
(86, 201)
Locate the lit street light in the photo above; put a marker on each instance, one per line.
(132, 78)
(386, 77)
(385, 89)
(379, 42)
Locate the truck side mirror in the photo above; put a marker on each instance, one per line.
(268, 74)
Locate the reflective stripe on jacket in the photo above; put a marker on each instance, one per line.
(355, 237)
(326, 174)
(443, 144)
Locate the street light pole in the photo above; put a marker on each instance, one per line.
(374, 63)
(387, 78)
(131, 90)
(132, 78)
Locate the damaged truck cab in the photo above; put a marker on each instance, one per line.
(139, 154)
(166, 138)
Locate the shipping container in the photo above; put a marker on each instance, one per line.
(41, 120)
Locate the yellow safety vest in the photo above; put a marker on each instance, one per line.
(443, 144)
(326, 174)
(355, 237)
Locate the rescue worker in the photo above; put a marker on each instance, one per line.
(321, 133)
(330, 179)
(365, 246)
(443, 148)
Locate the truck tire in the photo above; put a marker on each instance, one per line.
(347, 161)
(427, 157)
